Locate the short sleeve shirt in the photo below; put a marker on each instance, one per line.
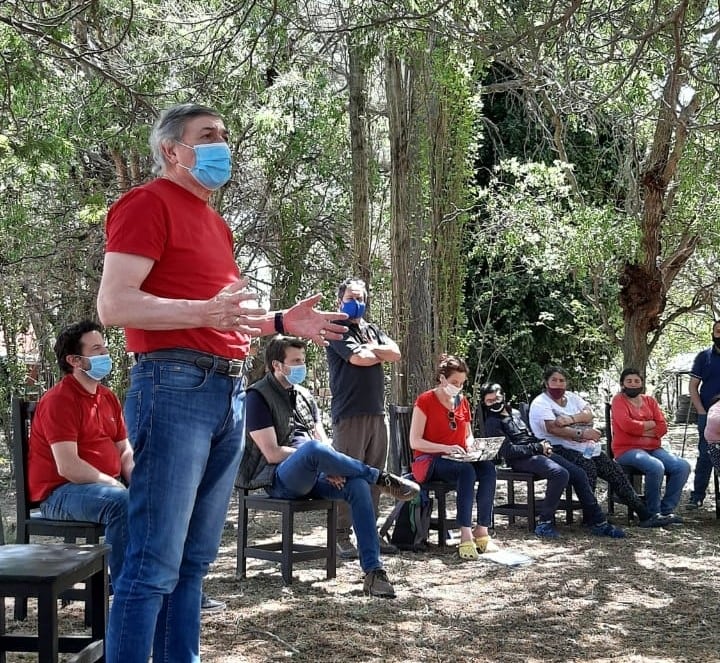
(356, 390)
(191, 248)
(438, 426)
(706, 368)
(544, 408)
(69, 413)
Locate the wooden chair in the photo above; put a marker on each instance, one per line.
(286, 551)
(514, 507)
(400, 416)
(47, 571)
(29, 521)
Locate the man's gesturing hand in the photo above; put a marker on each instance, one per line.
(303, 320)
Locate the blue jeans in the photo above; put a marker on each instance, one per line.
(703, 465)
(94, 503)
(557, 480)
(464, 476)
(303, 474)
(582, 485)
(654, 464)
(187, 428)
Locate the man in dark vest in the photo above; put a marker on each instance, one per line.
(289, 454)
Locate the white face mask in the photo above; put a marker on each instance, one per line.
(451, 390)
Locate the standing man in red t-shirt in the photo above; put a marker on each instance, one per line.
(171, 280)
(78, 448)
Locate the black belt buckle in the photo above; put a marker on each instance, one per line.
(235, 367)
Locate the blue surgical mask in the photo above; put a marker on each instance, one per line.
(297, 374)
(353, 308)
(212, 164)
(100, 366)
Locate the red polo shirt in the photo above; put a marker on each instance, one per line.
(69, 413)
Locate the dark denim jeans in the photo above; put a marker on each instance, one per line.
(557, 480)
(187, 428)
(581, 483)
(464, 476)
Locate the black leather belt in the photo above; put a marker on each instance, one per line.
(230, 367)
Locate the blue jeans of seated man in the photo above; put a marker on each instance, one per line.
(464, 476)
(94, 503)
(187, 428)
(703, 464)
(557, 480)
(654, 464)
(304, 474)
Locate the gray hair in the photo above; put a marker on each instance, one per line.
(169, 128)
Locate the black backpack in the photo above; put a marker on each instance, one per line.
(412, 523)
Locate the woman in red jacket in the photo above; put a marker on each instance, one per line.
(638, 426)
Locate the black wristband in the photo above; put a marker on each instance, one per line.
(279, 326)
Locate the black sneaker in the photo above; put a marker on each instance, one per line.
(397, 487)
(211, 605)
(655, 521)
(693, 503)
(674, 519)
(377, 584)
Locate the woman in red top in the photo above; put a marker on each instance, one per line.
(441, 425)
(638, 426)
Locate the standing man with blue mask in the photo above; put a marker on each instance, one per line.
(357, 383)
(289, 454)
(704, 386)
(79, 456)
(170, 279)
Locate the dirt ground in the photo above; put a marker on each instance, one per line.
(652, 597)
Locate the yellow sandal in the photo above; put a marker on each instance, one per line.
(468, 550)
(485, 544)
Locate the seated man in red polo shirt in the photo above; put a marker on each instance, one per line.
(79, 450)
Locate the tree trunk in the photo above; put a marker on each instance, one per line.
(412, 310)
(646, 282)
(357, 111)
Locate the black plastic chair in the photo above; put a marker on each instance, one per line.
(29, 521)
(400, 416)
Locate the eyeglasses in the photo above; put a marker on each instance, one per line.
(451, 420)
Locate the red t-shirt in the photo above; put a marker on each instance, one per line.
(192, 249)
(437, 424)
(627, 424)
(69, 413)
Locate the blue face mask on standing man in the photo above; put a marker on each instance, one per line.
(213, 164)
(354, 308)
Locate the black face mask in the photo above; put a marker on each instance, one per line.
(497, 406)
(631, 392)
(716, 341)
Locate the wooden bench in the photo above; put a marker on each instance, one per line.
(285, 551)
(45, 571)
